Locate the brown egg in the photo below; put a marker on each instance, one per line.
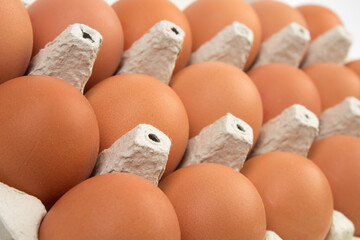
(112, 206)
(138, 16)
(276, 15)
(319, 19)
(334, 83)
(213, 201)
(50, 17)
(16, 40)
(281, 86)
(49, 136)
(208, 17)
(355, 66)
(124, 101)
(209, 90)
(297, 197)
(338, 157)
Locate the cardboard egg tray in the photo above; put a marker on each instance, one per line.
(231, 45)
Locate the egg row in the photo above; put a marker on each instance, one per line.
(125, 22)
(55, 121)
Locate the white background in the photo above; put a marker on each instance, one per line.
(347, 10)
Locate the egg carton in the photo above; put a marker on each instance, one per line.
(231, 45)
(202, 148)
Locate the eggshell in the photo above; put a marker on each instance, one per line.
(138, 16)
(334, 83)
(319, 19)
(355, 66)
(124, 101)
(338, 157)
(49, 136)
(281, 86)
(50, 17)
(275, 15)
(213, 201)
(112, 206)
(16, 40)
(210, 90)
(296, 194)
(209, 17)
